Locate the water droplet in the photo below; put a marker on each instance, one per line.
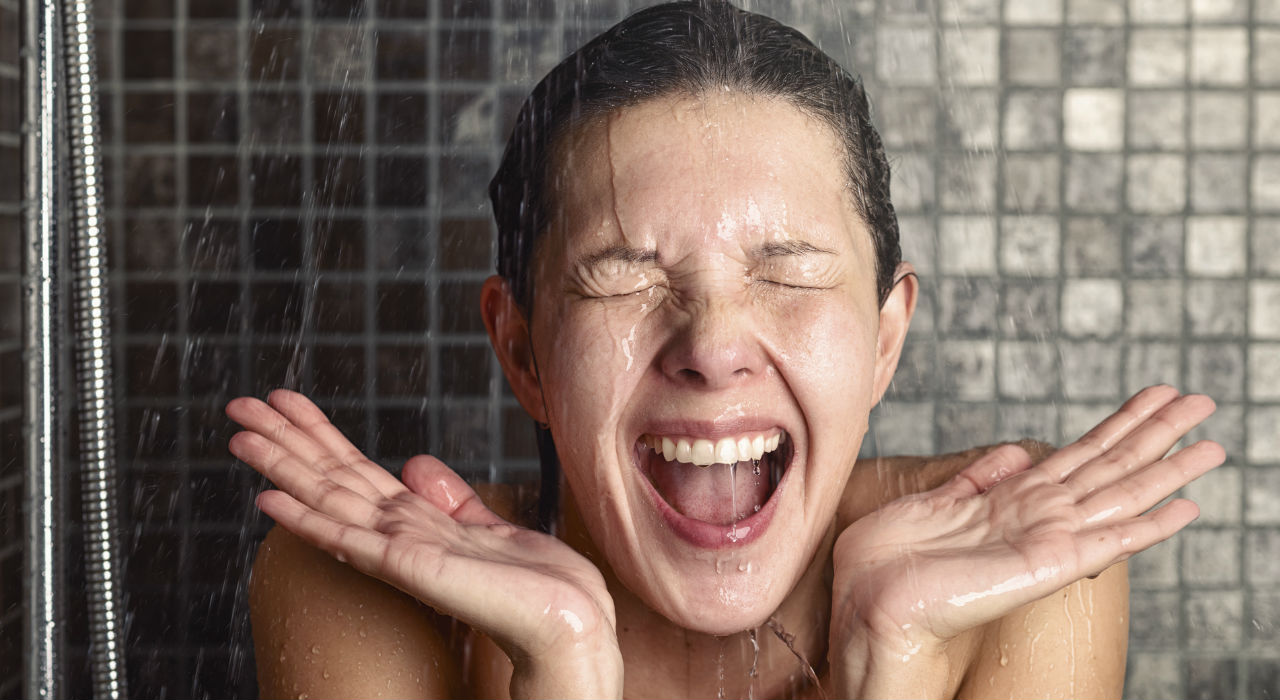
(315, 648)
(325, 674)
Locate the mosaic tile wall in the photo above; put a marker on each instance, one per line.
(1090, 189)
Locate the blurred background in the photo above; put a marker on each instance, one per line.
(297, 197)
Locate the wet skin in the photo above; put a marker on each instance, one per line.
(706, 276)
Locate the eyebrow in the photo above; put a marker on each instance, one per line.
(619, 253)
(775, 249)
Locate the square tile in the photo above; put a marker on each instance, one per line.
(1032, 56)
(1157, 183)
(1265, 186)
(1092, 307)
(1217, 246)
(1218, 182)
(1219, 120)
(907, 117)
(1266, 56)
(971, 55)
(1031, 182)
(1033, 11)
(1021, 421)
(1093, 119)
(1219, 495)
(1095, 56)
(1092, 246)
(1156, 568)
(1157, 120)
(1219, 56)
(1157, 57)
(1212, 677)
(1093, 182)
(1028, 309)
(966, 245)
(1265, 246)
(1027, 370)
(1264, 618)
(1262, 498)
(919, 241)
(1264, 371)
(1090, 370)
(906, 55)
(1031, 120)
(1264, 678)
(914, 187)
(967, 306)
(1154, 676)
(969, 118)
(1217, 369)
(968, 183)
(917, 372)
(967, 369)
(969, 11)
(1264, 309)
(1203, 11)
(1096, 12)
(1148, 364)
(1155, 245)
(1153, 308)
(895, 428)
(1226, 427)
(1079, 418)
(1266, 119)
(963, 425)
(1216, 308)
(1158, 11)
(1211, 557)
(1029, 245)
(1213, 619)
(1153, 620)
(1264, 565)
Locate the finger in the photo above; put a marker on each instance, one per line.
(1147, 443)
(308, 418)
(442, 487)
(1109, 543)
(1139, 491)
(1106, 434)
(989, 470)
(358, 546)
(302, 481)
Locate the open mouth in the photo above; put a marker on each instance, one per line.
(719, 482)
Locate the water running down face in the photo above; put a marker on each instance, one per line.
(705, 291)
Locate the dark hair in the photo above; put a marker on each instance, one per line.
(672, 49)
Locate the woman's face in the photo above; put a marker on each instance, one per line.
(706, 293)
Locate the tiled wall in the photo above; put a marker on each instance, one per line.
(11, 484)
(1090, 188)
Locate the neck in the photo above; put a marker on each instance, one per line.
(781, 658)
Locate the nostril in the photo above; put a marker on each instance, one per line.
(691, 375)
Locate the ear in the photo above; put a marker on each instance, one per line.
(509, 335)
(895, 318)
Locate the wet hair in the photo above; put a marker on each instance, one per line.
(677, 49)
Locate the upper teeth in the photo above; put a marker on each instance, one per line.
(704, 452)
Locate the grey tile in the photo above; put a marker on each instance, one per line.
(1264, 678)
(1095, 56)
(969, 11)
(1155, 568)
(971, 55)
(1092, 307)
(1093, 119)
(1158, 11)
(1153, 676)
(1215, 307)
(1266, 119)
(212, 54)
(917, 372)
(906, 55)
(1213, 619)
(1148, 364)
(1264, 618)
(1218, 494)
(1094, 182)
(967, 306)
(1033, 11)
(1218, 182)
(969, 118)
(1264, 371)
(907, 117)
(1153, 308)
(1263, 547)
(1032, 120)
(1266, 10)
(1027, 370)
(1211, 678)
(1028, 309)
(1155, 245)
(895, 428)
(967, 369)
(1266, 56)
(968, 182)
(1262, 446)
(1092, 246)
(1096, 12)
(919, 239)
(923, 321)
(907, 9)
(1219, 120)
(1157, 120)
(961, 426)
(1032, 57)
(913, 182)
(1211, 557)
(1090, 370)
(1158, 57)
(1157, 183)
(1219, 56)
(1217, 246)
(1153, 620)
(1217, 369)
(1264, 309)
(1219, 11)
(1031, 182)
(1264, 256)
(966, 245)
(1080, 418)
(1265, 185)
(1029, 245)
(1226, 427)
(1020, 421)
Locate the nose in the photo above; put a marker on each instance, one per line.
(714, 347)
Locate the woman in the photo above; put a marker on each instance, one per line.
(700, 300)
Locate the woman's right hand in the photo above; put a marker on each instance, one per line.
(430, 536)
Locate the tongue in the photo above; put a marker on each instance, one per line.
(718, 494)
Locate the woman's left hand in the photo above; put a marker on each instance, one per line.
(1002, 534)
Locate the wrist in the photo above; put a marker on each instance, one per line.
(870, 665)
(582, 670)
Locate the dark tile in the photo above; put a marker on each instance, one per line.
(277, 307)
(1155, 245)
(339, 117)
(213, 369)
(402, 432)
(1216, 369)
(213, 615)
(967, 306)
(403, 370)
(528, 9)
(917, 368)
(466, 244)
(211, 9)
(210, 430)
(153, 674)
(465, 9)
(155, 496)
(274, 55)
(212, 54)
(402, 243)
(961, 426)
(150, 307)
(339, 9)
(275, 118)
(340, 244)
(1264, 679)
(1092, 246)
(11, 177)
(403, 9)
(518, 435)
(212, 181)
(275, 9)
(149, 181)
(153, 370)
(465, 436)
(148, 54)
(9, 40)
(464, 181)
(1095, 56)
(400, 56)
(276, 180)
(464, 370)
(151, 244)
(339, 308)
(339, 370)
(152, 619)
(10, 105)
(11, 241)
(1211, 679)
(153, 433)
(402, 307)
(11, 386)
(10, 312)
(401, 181)
(212, 117)
(148, 9)
(339, 182)
(460, 307)
(277, 244)
(215, 308)
(275, 367)
(402, 118)
(216, 559)
(221, 496)
(464, 55)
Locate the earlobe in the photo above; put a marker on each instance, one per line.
(512, 343)
(895, 319)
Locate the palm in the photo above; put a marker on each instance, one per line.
(1002, 533)
(430, 535)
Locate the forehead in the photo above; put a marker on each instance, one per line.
(711, 165)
